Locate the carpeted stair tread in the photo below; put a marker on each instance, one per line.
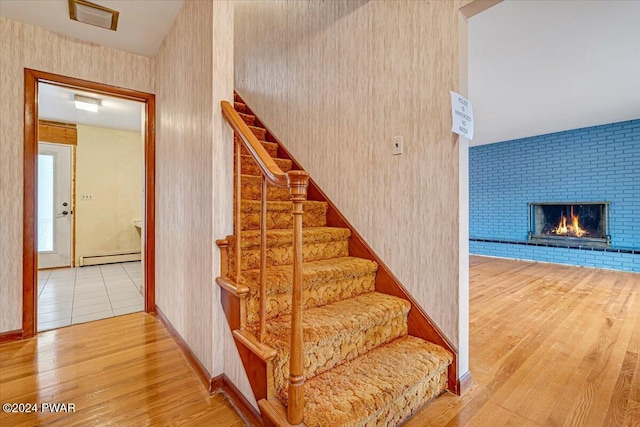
(323, 282)
(249, 119)
(240, 107)
(259, 132)
(251, 239)
(249, 166)
(380, 388)
(252, 188)
(323, 323)
(279, 214)
(337, 332)
(271, 147)
(314, 273)
(317, 243)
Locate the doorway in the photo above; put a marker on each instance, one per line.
(51, 206)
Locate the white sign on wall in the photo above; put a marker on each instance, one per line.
(462, 115)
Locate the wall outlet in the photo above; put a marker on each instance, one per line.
(86, 197)
(397, 145)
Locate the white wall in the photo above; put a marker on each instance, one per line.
(537, 67)
(109, 164)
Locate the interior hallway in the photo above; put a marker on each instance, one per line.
(550, 345)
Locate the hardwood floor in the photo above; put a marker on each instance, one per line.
(119, 371)
(550, 345)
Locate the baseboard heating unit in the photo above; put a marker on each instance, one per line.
(110, 258)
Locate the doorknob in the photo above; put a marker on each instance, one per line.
(65, 213)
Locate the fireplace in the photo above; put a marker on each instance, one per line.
(571, 223)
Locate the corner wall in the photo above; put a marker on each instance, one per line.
(21, 46)
(599, 163)
(335, 81)
(194, 174)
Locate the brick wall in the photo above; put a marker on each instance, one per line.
(589, 164)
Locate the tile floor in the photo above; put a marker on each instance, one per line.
(83, 294)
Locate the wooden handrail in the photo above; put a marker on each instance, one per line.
(297, 182)
(267, 165)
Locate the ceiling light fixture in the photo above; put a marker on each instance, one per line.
(87, 103)
(93, 14)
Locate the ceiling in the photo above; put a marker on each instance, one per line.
(537, 67)
(56, 103)
(142, 25)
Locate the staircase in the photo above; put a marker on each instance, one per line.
(366, 356)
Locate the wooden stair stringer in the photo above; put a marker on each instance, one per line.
(274, 413)
(420, 323)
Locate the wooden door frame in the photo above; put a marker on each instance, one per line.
(29, 262)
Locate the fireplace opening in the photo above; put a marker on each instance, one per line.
(584, 223)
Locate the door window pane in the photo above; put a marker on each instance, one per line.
(45, 202)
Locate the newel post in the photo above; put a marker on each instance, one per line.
(299, 181)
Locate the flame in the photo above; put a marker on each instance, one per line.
(570, 230)
(562, 227)
(579, 232)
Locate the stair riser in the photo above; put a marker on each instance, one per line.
(398, 410)
(409, 403)
(249, 167)
(321, 294)
(252, 190)
(283, 254)
(319, 358)
(240, 107)
(279, 220)
(248, 119)
(272, 149)
(260, 133)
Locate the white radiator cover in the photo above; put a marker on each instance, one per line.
(110, 258)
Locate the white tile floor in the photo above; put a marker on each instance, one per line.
(78, 295)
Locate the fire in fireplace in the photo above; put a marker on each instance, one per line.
(575, 223)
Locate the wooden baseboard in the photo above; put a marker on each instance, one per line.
(212, 384)
(216, 383)
(10, 336)
(237, 399)
(196, 365)
(464, 382)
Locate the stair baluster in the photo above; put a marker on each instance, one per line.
(263, 259)
(238, 222)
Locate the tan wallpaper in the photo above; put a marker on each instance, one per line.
(194, 72)
(23, 46)
(336, 81)
(109, 166)
(222, 182)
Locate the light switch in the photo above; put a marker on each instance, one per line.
(397, 145)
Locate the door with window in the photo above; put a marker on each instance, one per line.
(55, 208)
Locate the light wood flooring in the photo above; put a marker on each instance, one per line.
(122, 371)
(550, 345)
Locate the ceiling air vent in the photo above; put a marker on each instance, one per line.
(93, 14)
